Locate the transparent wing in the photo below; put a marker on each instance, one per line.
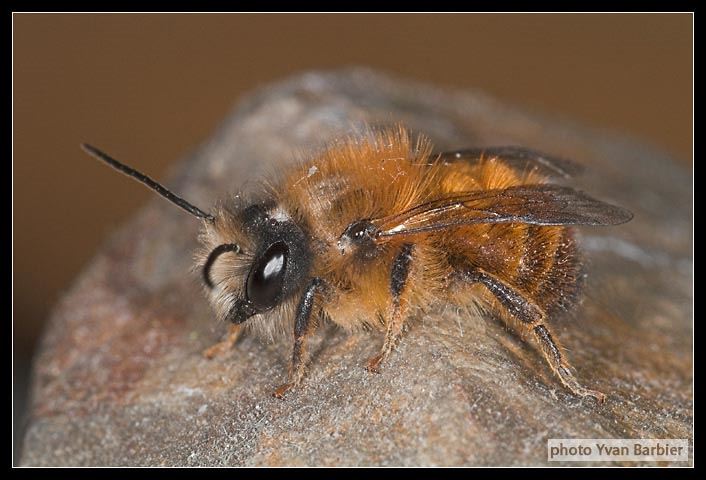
(531, 204)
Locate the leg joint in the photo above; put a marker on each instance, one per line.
(514, 301)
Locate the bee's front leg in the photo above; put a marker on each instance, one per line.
(304, 326)
(224, 346)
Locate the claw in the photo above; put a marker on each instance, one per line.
(598, 396)
(374, 363)
(282, 390)
(216, 350)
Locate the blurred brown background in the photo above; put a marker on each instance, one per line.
(148, 88)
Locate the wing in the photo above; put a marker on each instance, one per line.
(532, 204)
(516, 157)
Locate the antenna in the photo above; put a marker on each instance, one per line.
(144, 179)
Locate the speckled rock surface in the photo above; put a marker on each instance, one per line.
(120, 380)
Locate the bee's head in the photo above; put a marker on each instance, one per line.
(254, 259)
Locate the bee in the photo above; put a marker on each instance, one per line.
(375, 229)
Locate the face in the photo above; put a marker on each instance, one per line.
(255, 259)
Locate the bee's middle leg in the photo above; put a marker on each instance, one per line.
(395, 318)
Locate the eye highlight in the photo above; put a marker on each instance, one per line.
(266, 279)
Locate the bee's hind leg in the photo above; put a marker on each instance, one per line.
(531, 319)
(552, 352)
(304, 326)
(395, 318)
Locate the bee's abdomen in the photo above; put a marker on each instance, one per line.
(550, 268)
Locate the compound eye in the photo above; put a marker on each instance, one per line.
(266, 278)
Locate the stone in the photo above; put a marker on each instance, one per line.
(120, 380)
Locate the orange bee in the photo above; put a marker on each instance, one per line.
(374, 229)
